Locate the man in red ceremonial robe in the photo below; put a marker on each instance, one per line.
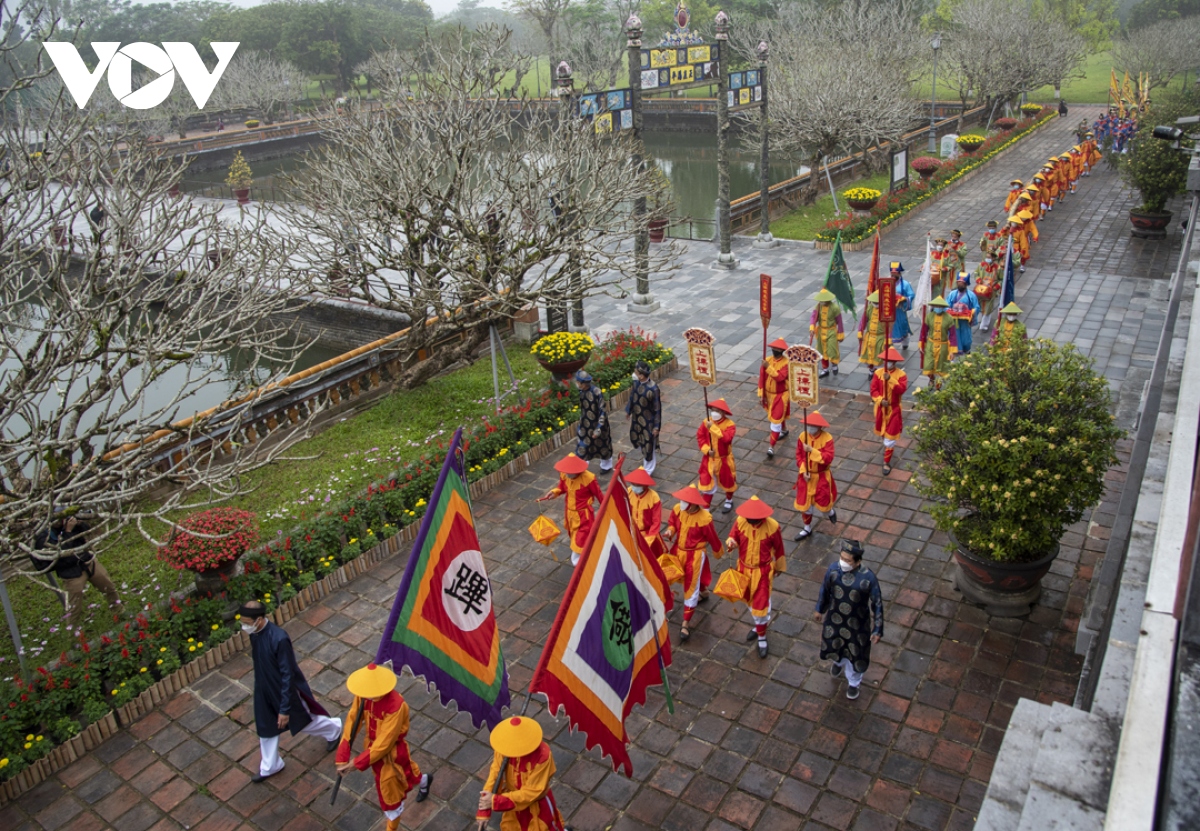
(759, 542)
(887, 386)
(645, 507)
(690, 528)
(717, 467)
(814, 481)
(773, 391)
(524, 793)
(581, 490)
(386, 751)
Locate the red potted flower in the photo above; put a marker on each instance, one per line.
(209, 544)
(926, 166)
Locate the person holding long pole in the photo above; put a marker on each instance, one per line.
(518, 783)
(386, 752)
(815, 487)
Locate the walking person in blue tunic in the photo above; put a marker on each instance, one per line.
(848, 601)
(904, 303)
(964, 308)
(595, 439)
(645, 415)
(282, 698)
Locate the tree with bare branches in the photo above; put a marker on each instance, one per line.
(458, 206)
(261, 83)
(1160, 51)
(117, 303)
(840, 78)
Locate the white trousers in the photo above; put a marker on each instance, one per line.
(762, 620)
(606, 464)
(323, 726)
(852, 678)
(649, 464)
(574, 559)
(776, 428)
(691, 601)
(889, 442)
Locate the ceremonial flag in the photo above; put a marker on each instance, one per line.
(1008, 293)
(837, 279)
(442, 625)
(609, 643)
(872, 281)
(924, 289)
(1114, 91)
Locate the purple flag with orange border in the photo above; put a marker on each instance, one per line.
(442, 625)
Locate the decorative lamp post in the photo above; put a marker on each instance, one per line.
(642, 302)
(565, 89)
(764, 239)
(936, 43)
(725, 259)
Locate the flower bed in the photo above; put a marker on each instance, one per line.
(898, 203)
(140, 663)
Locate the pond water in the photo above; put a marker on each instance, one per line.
(688, 159)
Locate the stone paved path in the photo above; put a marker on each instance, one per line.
(754, 744)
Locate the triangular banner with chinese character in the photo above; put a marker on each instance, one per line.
(442, 625)
(609, 643)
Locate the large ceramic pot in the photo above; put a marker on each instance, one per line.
(1004, 589)
(212, 581)
(243, 195)
(862, 204)
(565, 371)
(657, 229)
(1149, 225)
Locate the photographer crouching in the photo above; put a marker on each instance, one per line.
(63, 549)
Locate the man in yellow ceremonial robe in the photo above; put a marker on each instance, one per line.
(825, 328)
(715, 437)
(939, 341)
(1016, 229)
(815, 487)
(773, 391)
(870, 336)
(690, 528)
(1014, 193)
(583, 496)
(888, 386)
(386, 751)
(524, 795)
(759, 542)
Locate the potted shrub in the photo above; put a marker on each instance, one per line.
(251, 123)
(1031, 110)
(969, 143)
(1005, 125)
(1155, 169)
(926, 166)
(1013, 448)
(240, 178)
(209, 544)
(563, 353)
(862, 199)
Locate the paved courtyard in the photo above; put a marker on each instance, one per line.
(759, 744)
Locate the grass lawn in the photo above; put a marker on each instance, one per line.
(345, 458)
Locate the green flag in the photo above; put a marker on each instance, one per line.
(837, 280)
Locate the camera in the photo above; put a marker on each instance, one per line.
(1177, 134)
(1168, 133)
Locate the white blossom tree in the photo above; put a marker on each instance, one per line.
(117, 302)
(458, 207)
(839, 78)
(1161, 52)
(261, 83)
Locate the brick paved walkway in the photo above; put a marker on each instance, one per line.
(754, 744)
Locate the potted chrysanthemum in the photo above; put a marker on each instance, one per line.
(926, 166)
(563, 353)
(862, 199)
(969, 143)
(1014, 448)
(240, 178)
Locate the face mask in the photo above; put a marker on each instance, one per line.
(249, 628)
(716, 415)
(845, 566)
(683, 506)
(572, 475)
(812, 431)
(639, 489)
(636, 377)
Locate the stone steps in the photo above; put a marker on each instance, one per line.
(1053, 771)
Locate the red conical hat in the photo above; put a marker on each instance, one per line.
(754, 508)
(891, 355)
(778, 343)
(816, 420)
(639, 477)
(720, 404)
(689, 494)
(571, 464)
